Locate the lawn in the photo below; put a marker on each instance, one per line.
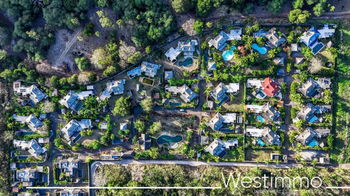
(341, 150)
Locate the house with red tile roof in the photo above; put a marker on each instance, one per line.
(270, 87)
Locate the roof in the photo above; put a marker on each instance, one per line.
(326, 32)
(113, 88)
(172, 54)
(149, 69)
(216, 123)
(260, 33)
(211, 65)
(309, 37)
(32, 146)
(219, 42)
(235, 34)
(72, 130)
(254, 83)
(186, 94)
(134, 72)
(33, 122)
(216, 148)
(309, 88)
(72, 101)
(274, 39)
(168, 75)
(270, 87)
(35, 94)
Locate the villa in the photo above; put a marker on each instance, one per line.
(72, 101)
(147, 68)
(32, 146)
(312, 88)
(69, 168)
(186, 94)
(308, 136)
(218, 121)
(270, 87)
(34, 93)
(265, 88)
(30, 176)
(274, 40)
(310, 113)
(219, 42)
(310, 38)
(219, 147)
(32, 121)
(266, 136)
(310, 155)
(71, 131)
(113, 88)
(266, 113)
(219, 92)
(185, 47)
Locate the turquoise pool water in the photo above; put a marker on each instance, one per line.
(261, 50)
(260, 142)
(187, 62)
(260, 118)
(228, 54)
(313, 143)
(168, 139)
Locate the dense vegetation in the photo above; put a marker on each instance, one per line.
(175, 176)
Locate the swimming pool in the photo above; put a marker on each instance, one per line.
(168, 139)
(260, 118)
(260, 142)
(228, 54)
(313, 143)
(187, 62)
(261, 50)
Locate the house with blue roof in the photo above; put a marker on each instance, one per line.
(71, 131)
(260, 33)
(219, 147)
(185, 92)
(219, 93)
(219, 42)
(113, 88)
(310, 39)
(312, 113)
(32, 146)
(33, 92)
(72, 101)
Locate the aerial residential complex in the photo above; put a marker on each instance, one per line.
(126, 94)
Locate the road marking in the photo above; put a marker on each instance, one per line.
(99, 187)
(338, 187)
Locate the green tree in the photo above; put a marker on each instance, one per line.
(140, 125)
(298, 16)
(147, 105)
(109, 71)
(83, 63)
(3, 54)
(122, 106)
(198, 26)
(275, 6)
(98, 58)
(135, 58)
(155, 127)
(181, 6)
